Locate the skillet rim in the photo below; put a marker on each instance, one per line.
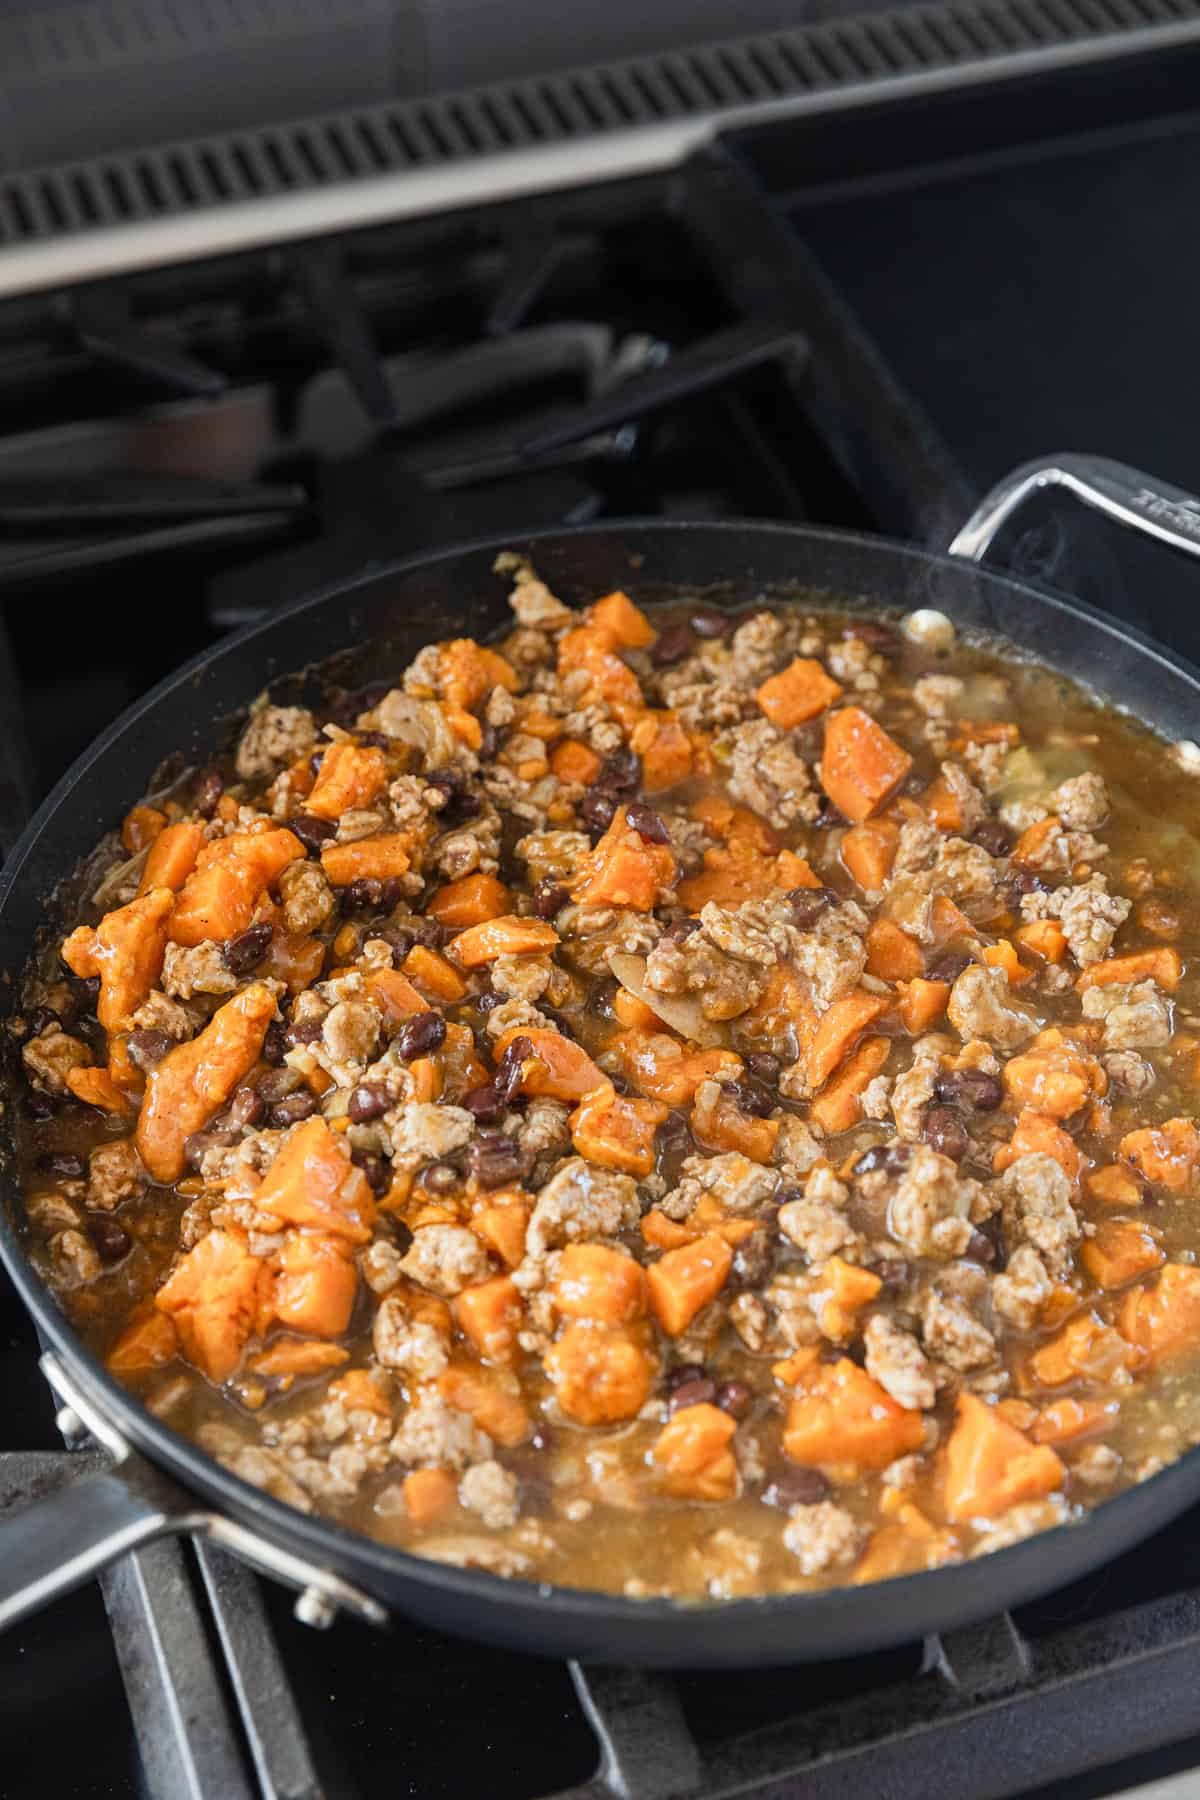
(391, 1567)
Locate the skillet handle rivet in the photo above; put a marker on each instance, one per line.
(315, 1608)
(71, 1425)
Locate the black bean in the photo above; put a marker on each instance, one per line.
(972, 1088)
(39, 1105)
(289, 1111)
(275, 1043)
(712, 624)
(881, 638)
(671, 646)
(542, 1439)
(980, 1249)
(549, 898)
(311, 831)
(440, 1178)
(764, 1067)
(646, 822)
(195, 1146)
(751, 1100)
(752, 1261)
(210, 785)
(596, 811)
(735, 1398)
(247, 950)
(248, 1107)
(63, 1163)
(693, 1393)
(621, 773)
(279, 1084)
(89, 993)
(484, 1103)
(795, 1487)
(507, 1079)
(944, 1131)
(421, 1036)
(362, 895)
(430, 934)
(808, 904)
(112, 1241)
(950, 966)
(828, 815)
(894, 1273)
(891, 1158)
(40, 1019)
(675, 1136)
(994, 837)
(679, 929)
(369, 1100)
(489, 741)
(373, 740)
(488, 1002)
(305, 1031)
(683, 1372)
(448, 782)
(147, 1047)
(558, 1019)
(376, 1170)
(391, 892)
(495, 1160)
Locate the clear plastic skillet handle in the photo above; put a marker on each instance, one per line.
(1124, 495)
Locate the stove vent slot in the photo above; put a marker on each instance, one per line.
(947, 40)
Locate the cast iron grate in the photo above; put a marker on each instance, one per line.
(864, 57)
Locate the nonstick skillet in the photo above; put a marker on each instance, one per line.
(161, 1483)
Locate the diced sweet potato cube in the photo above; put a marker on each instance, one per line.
(892, 954)
(943, 805)
(594, 1282)
(558, 1069)
(861, 766)
(1067, 1419)
(293, 1357)
(868, 851)
(625, 623)
(368, 859)
(601, 1375)
(718, 1123)
(1035, 1133)
(489, 1315)
(634, 1013)
(140, 826)
(575, 762)
(842, 1420)
(905, 1545)
(502, 1228)
(1003, 955)
(212, 1297)
(1115, 1185)
(1165, 1154)
(428, 1495)
(693, 1455)
(358, 1391)
(1163, 1321)
(1053, 1077)
(350, 776)
(492, 1400)
(1032, 841)
(664, 1069)
(798, 693)
(1086, 1349)
(315, 1284)
(192, 1081)
(96, 1087)
(625, 869)
(508, 935)
(312, 1183)
(615, 1132)
(921, 1003)
(848, 1289)
(685, 1280)
(1119, 1251)
(1044, 938)
(394, 994)
(839, 1105)
(665, 749)
(172, 857)
(231, 874)
(126, 950)
(293, 958)
(593, 650)
(840, 1027)
(1162, 965)
(434, 973)
(991, 1466)
(148, 1342)
(471, 900)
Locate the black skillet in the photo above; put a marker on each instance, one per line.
(161, 1483)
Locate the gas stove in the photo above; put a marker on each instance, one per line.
(855, 318)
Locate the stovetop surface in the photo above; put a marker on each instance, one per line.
(1013, 303)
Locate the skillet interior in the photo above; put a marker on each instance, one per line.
(376, 625)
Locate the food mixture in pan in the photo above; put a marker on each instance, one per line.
(677, 1103)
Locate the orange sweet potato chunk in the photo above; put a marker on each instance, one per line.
(96, 1087)
(489, 1396)
(558, 1069)
(368, 859)
(625, 623)
(718, 1123)
(594, 651)
(1119, 1251)
(1033, 840)
(315, 1284)
(839, 1106)
(1115, 1185)
(502, 1226)
(798, 693)
(1053, 1077)
(192, 1081)
(625, 869)
(211, 1296)
(350, 776)
(868, 851)
(601, 1375)
(991, 1466)
(435, 973)
(1165, 1154)
(665, 749)
(574, 761)
(292, 1357)
(843, 1420)
(1036, 1133)
(489, 1316)
(394, 994)
(684, 1280)
(508, 935)
(1163, 1321)
(172, 857)
(840, 1026)
(594, 1282)
(1043, 937)
(231, 874)
(1003, 955)
(471, 900)
(861, 766)
(1067, 1419)
(617, 1133)
(126, 951)
(313, 1183)
(140, 826)
(693, 1455)
(892, 954)
(662, 1068)
(1162, 965)
(148, 1342)
(428, 1495)
(921, 1003)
